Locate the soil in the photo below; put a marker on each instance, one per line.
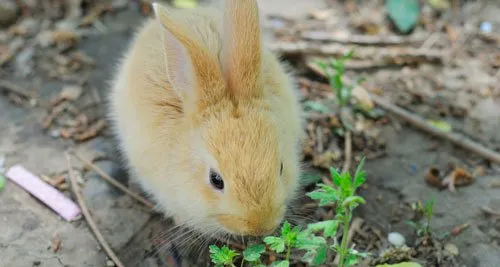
(462, 90)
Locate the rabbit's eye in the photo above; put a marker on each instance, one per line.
(281, 169)
(216, 180)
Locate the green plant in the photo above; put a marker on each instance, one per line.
(424, 228)
(347, 201)
(317, 238)
(334, 69)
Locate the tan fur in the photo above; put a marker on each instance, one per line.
(233, 108)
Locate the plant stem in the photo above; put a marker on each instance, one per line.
(288, 253)
(428, 226)
(343, 245)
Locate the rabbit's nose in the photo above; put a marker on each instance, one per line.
(264, 230)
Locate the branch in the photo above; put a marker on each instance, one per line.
(88, 217)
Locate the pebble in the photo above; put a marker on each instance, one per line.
(55, 134)
(110, 263)
(396, 239)
(8, 12)
(24, 61)
(486, 27)
(452, 249)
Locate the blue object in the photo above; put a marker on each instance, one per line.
(486, 27)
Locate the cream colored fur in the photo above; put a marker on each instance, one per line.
(195, 91)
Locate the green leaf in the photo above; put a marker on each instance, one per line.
(329, 227)
(275, 243)
(285, 229)
(252, 253)
(359, 175)
(440, 125)
(353, 201)
(185, 3)
(321, 64)
(336, 82)
(291, 236)
(346, 187)
(325, 194)
(222, 256)
(315, 106)
(335, 176)
(429, 205)
(439, 4)
(280, 264)
(350, 260)
(412, 224)
(404, 13)
(316, 257)
(306, 241)
(349, 55)
(2, 182)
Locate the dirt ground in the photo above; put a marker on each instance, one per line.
(463, 90)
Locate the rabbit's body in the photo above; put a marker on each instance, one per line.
(192, 105)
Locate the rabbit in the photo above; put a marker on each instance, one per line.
(208, 121)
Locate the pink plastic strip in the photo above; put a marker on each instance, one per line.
(44, 192)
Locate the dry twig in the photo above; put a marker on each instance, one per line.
(489, 211)
(88, 217)
(393, 54)
(360, 39)
(113, 181)
(421, 124)
(91, 132)
(15, 89)
(56, 111)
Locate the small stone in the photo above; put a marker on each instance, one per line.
(24, 61)
(452, 249)
(486, 27)
(55, 134)
(8, 12)
(396, 239)
(110, 263)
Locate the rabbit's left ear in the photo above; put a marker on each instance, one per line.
(241, 60)
(189, 67)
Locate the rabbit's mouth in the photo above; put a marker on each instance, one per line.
(244, 227)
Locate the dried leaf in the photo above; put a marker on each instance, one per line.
(458, 177)
(361, 95)
(56, 243)
(71, 92)
(65, 37)
(432, 177)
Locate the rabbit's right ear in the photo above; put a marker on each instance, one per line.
(242, 50)
(188, 65)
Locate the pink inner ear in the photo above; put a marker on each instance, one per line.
(179, 66)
